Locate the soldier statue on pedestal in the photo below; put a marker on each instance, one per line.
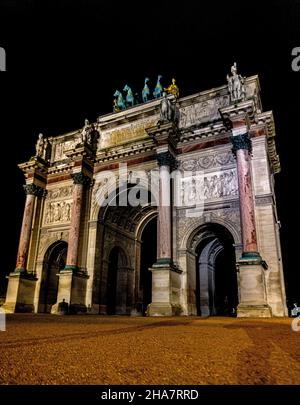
(236, 85)
(89, 135)
(43, 148)
(39, 147)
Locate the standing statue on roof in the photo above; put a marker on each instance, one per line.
(89, 135)
(39, 147)
(173, 89)
(43, 148)
(236, 85)
(85, 133)
(167, 110)
(47, 150)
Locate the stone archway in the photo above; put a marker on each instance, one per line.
(118, 285)
(54, 261)
(212, 277)
(116, 282)
(148, 256)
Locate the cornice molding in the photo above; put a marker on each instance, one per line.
(267, 120)
(125, 151)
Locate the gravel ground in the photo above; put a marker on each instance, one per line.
(47, 349)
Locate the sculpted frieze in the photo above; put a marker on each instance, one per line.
(61, 148)
(204, 111)
(209, 187)
(57, 212)
(208, 161)
(62, 192)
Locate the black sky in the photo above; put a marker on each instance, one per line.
(66, 58)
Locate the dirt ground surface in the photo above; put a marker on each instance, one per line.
(49, 349)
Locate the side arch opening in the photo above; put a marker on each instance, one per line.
(215, 282)
(54, 260)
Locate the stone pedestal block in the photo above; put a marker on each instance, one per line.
(64, 287)
(165, 291)
(253, 299)
(20, 293)
(72, 290)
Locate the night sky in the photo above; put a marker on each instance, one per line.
(66, 58)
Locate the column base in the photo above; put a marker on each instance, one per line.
(166, 263)
(252, 258)
(253, 311)
(70, 267)
(20, 270)
(163, 262)
(20, 292)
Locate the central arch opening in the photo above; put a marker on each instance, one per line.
(216, 279)
(127, 237)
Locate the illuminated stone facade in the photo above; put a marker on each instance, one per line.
(221, 257)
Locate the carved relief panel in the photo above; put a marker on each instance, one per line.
(219, 185)
(204, 111)
(58, 206)
(62, 147)
(209, 161)
(211, 186)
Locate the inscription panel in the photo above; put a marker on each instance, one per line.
(127, 132)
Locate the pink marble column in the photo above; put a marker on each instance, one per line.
(164, 216)
(73, 243)
(165, 160)
(246, 201)
(242, 149)
(32, 191)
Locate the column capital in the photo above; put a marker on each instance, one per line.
(35, 190)
(241, 141)
(166, 159)
(80, 178)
